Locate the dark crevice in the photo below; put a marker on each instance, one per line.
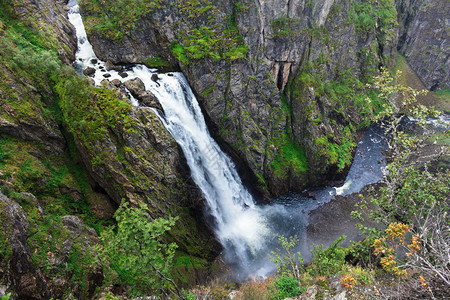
(280, 76)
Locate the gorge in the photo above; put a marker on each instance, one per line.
(280, 87)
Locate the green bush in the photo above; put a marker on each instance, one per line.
(284, 287)
(138, 253)
(330, 261)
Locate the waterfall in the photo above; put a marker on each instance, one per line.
(246, 231)
(238, 224)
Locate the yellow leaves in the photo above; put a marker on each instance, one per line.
(385, 247)
(414, 246)
(397, 230)
(348, 281)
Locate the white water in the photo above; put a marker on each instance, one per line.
(246, 231)
(239, 225)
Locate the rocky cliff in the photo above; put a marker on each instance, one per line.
(282, 82)
(424, 40)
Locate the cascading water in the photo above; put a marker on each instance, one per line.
(238, 223)
(247, 232)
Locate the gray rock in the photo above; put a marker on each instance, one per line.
(24, 277)
(135, 86)
(425, 42)
(148, 99)
(110, 66)
(89, 71)
(116, 82)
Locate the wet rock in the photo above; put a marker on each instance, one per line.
(147, 98)
(94, 61)
(135, 86)
(107, 75)
(89, 71)
(309, 194)
(155, 77)
(123, 74)
(116, 82)
(137, 89)
(110, 66)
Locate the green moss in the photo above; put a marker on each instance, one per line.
(284, 26)
(111, 20)
(289, 157)
(156, 62)
(5, 245)
(444, 94)
(207, 39)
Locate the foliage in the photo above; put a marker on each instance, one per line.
(290, 157)
(207, 39)
(137, 252)
(288, 262)
(6, 296)
(329, 261)
(114, 19)
(371, 14)
(284, 26)
(5, 246)
(413, 201)
(254, 290)
(156, 62)
(284, 287)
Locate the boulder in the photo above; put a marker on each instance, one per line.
(110, 66)
(89, 71)
(135, 86)
(147, 98)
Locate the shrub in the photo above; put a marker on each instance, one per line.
(413, 201)
(284, 287)
(330, 261)
(288, 262)
(254, 291)
(138, 253)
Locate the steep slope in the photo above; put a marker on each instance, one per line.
(69, 155)
(424, 40)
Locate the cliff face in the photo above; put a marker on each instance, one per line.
(424, 40)
(281, 81)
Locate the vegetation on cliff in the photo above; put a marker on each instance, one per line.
(57, 133)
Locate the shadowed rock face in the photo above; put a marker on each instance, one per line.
(424, 40)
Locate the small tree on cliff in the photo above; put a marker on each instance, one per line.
(135, 249)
